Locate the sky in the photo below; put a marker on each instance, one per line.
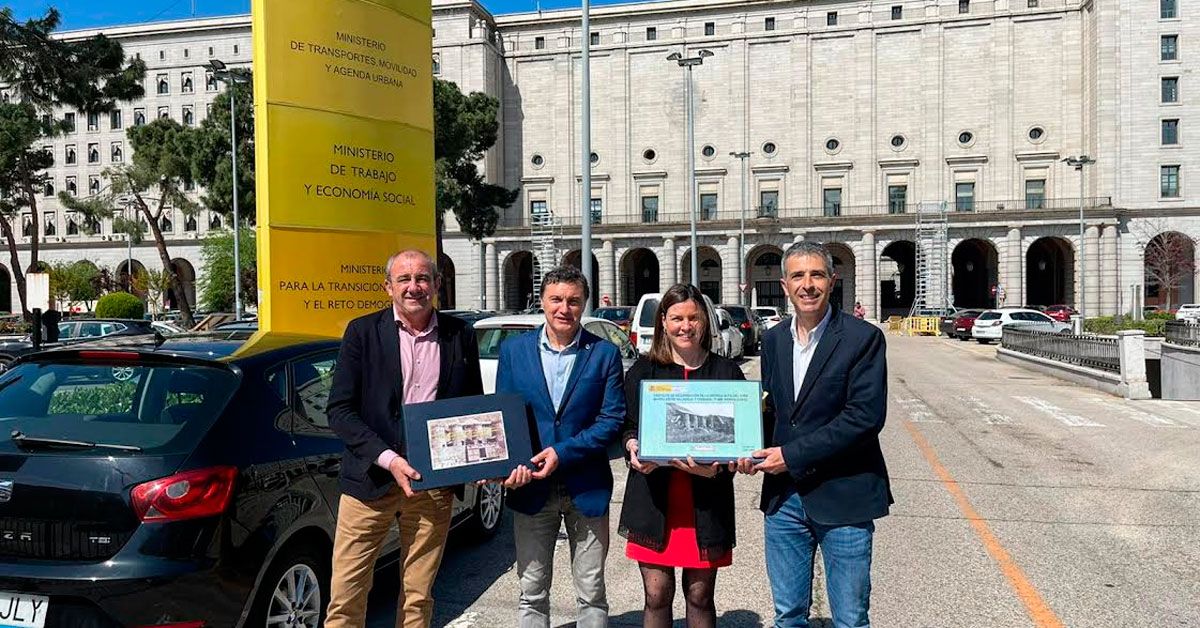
(95, 13)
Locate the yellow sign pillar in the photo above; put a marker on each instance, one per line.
(343, 104)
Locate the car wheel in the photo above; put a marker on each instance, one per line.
(5, 362)
(486, 512)
(294, 593)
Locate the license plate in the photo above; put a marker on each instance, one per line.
(962, 329)
(22, 610)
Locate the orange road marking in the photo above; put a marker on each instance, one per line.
(1038, 610)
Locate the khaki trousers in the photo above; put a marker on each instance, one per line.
(362, 528)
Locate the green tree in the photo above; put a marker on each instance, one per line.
(154, 284)
(465, 127)
(72, 283)
(162, 159)
(89, 75)
(216, 285)
(211, 165)
(120, 305)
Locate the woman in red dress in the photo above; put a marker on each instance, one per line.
(677, 516)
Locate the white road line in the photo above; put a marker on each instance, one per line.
(1070, 420)
(918, 412)
(1137, 415)
(991, 417)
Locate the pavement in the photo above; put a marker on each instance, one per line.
(1020, 501)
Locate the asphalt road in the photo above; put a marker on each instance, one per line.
(1020, 501)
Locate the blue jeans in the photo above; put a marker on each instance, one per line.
(791, 544)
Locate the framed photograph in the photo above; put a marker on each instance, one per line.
(711, 421)
(462, 440)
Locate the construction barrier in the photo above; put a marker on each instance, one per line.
(894, 323)
(921, 326)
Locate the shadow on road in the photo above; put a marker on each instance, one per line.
(730, 619)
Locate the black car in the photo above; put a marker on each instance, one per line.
(748, 324)
(191, 482)
(78, 330)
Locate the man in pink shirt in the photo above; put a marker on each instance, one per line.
(404, 354)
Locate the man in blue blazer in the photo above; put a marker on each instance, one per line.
(825, 374)
(573, 385)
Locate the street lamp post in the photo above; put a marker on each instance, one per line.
(1078, 163)
(222, 73)
(689, 63)
(585, 141)
(743, 294)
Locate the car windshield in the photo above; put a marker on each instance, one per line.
(765, 312)
(648, 310)
(989, 316)
(612, 313)
(738, 313)
(491, 338)
(157, 408)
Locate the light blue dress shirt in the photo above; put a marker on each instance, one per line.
(802, 353)
(557, 365)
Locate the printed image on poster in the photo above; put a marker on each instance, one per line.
(465, 440)
(700, 423)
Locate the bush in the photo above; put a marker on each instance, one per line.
(1110, 325)
(1160, 316)
(120, 305)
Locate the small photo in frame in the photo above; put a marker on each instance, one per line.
(711, 421)
(466, 439)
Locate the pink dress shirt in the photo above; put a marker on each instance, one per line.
(420, 363)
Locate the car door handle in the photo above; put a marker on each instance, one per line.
(331, 467)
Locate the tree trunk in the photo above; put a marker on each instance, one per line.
(185, 308)
(35, 230)
(18, 272)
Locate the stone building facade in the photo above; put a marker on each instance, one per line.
(856, 114)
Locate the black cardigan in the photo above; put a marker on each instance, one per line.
(644, 513)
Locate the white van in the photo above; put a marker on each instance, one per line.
(641, 328)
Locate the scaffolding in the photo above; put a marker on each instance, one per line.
(932, 290)
(541, 234)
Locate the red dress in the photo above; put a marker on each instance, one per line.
(682, 549)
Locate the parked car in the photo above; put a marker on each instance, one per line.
(1060, 313)
(961, 328)
(641, 331)
(1188, 312)
(747, 323)
(192, 483)
(620, 315)
(75, 330)
(167, 328)
(470, 316)
(732, 339)
(246, 324)
(492, 332)
(770, 316)
(989, 325)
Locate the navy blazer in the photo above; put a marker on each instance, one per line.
(830, 432)
(587, 422)
(366, 400)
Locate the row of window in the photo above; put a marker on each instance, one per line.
(71, 186)
(769, 23)
(187, 53)
(77, 224)
(116, 118)
(186, 84)
(116, 153)
(831, 198)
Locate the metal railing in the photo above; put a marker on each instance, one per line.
(1183, 333)
(513, 219)
(1097, 352)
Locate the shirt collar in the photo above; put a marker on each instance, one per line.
(545, 340)
(816, 333)
(429, 329)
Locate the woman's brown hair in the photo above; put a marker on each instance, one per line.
(660, 347)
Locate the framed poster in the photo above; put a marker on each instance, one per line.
(709, 420)
(466, 439)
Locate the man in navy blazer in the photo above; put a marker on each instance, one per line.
(825, 375)
(573, 385)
